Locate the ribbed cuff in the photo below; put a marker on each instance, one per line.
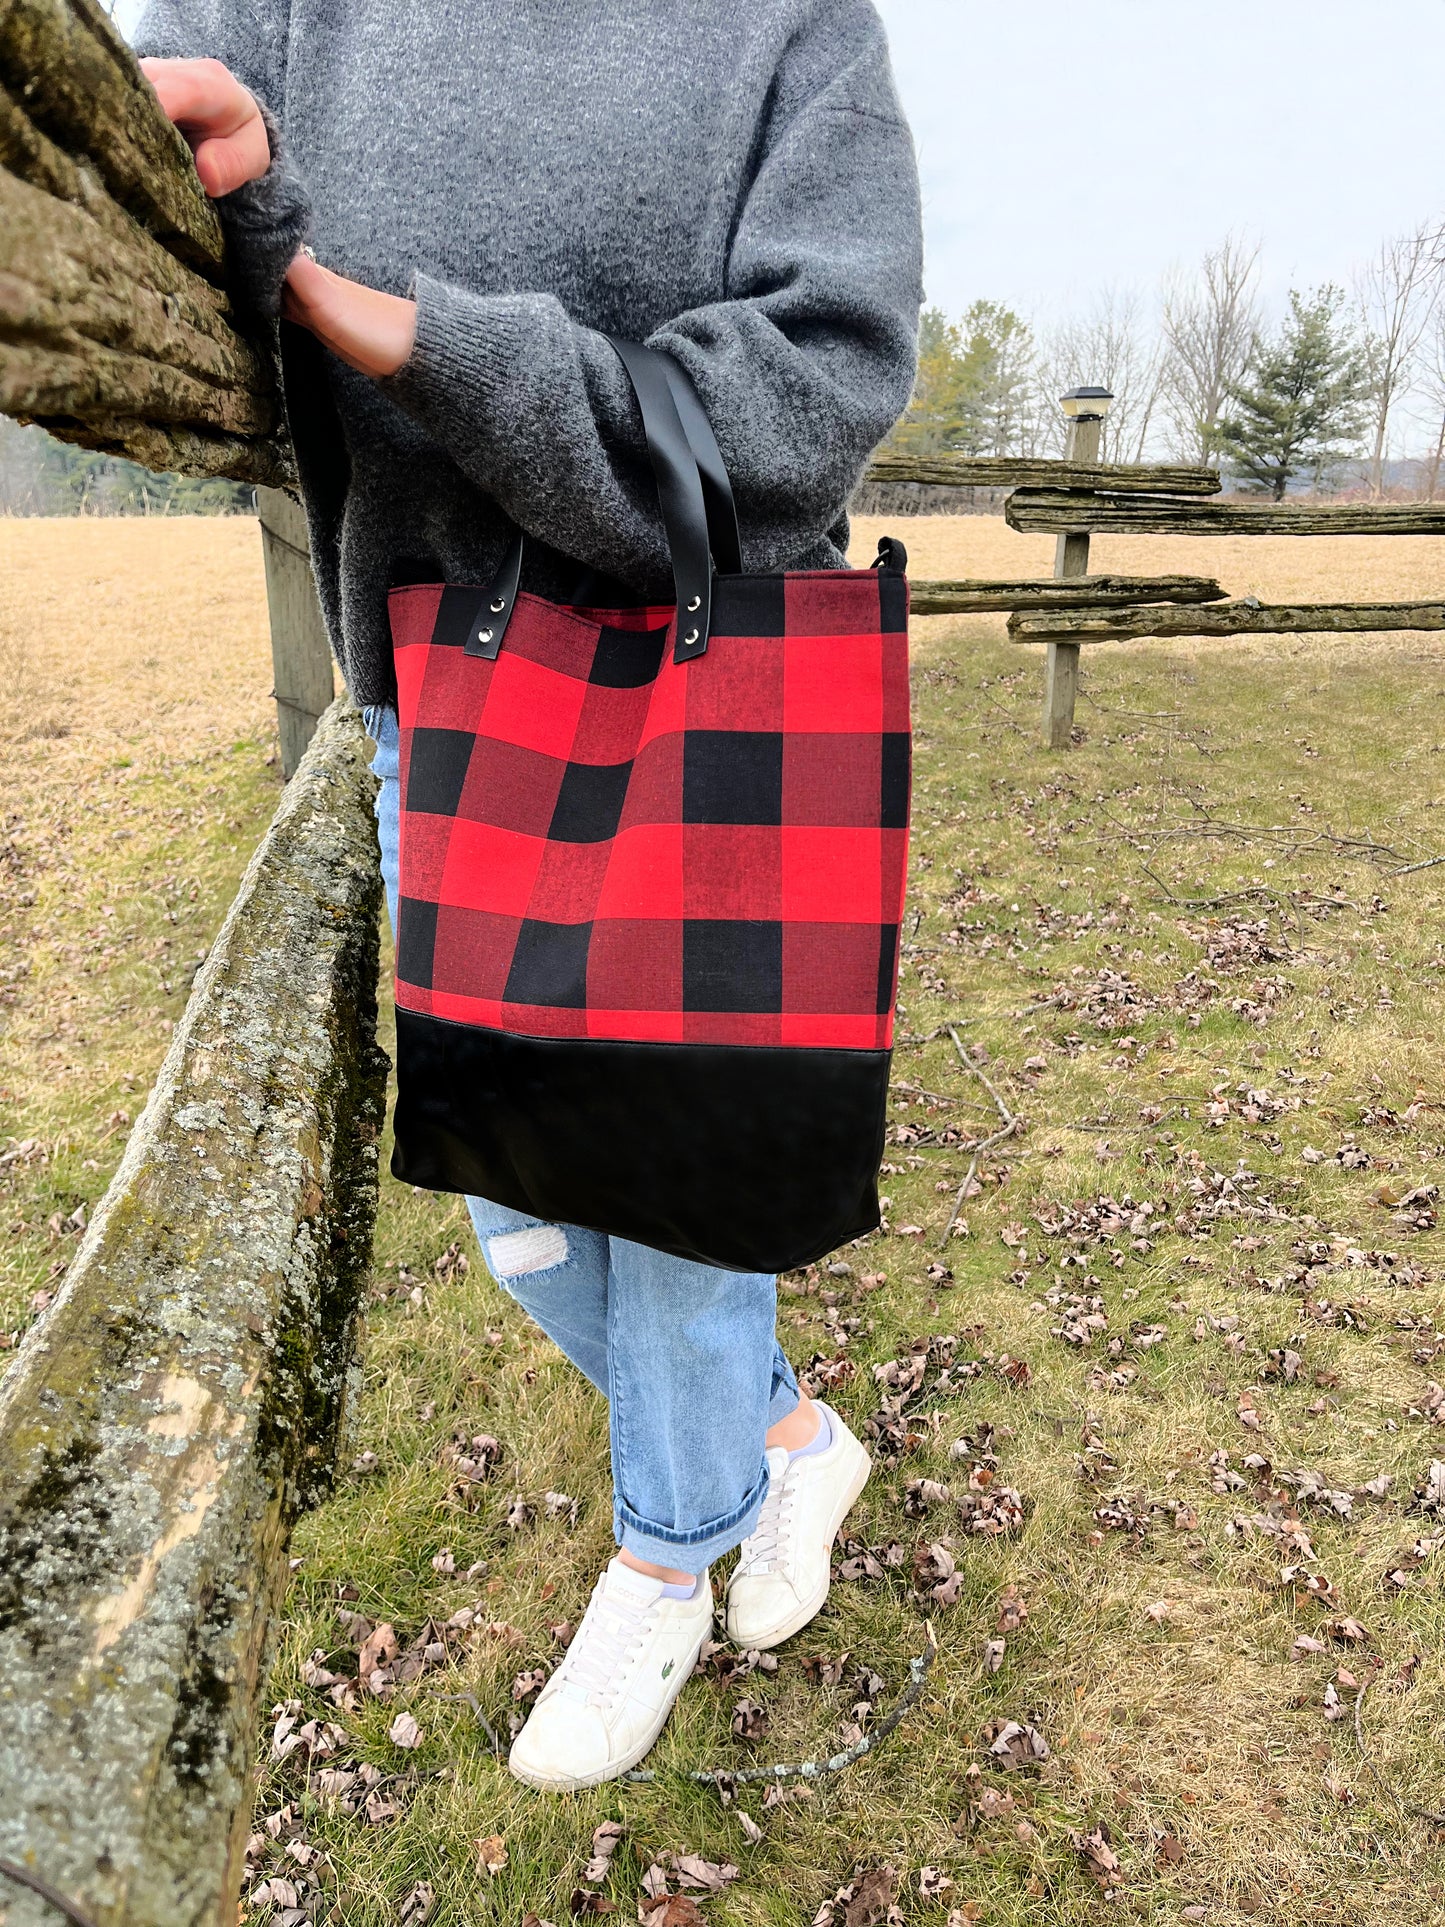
(266, 223)
(472, 355)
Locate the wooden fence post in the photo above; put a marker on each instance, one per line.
(305, 683)
(1071, 558)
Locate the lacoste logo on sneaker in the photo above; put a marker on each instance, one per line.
(668, 1668)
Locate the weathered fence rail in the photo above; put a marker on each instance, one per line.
(1057, 512)
(115, 326)
(184, 1396)
(1243, 617)
(1091, 591)
(1018, 471)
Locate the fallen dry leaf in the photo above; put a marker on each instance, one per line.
(604, 1845)
(705, 1876)
(491, 1855)
(418, 1904)
(671, 1910)
(1015, 1744)
(404, 1731)
(1100, 1860)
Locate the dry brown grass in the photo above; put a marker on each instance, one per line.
(1195, 1727)
(1364, 568)
(135, 730)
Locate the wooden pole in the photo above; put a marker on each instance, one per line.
(300, 648)
(1071, 558)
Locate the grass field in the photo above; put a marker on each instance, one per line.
(1189, 1315)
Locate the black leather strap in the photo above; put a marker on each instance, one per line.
(722, 514)
(679, 493)
(487, 622)
(699, 514)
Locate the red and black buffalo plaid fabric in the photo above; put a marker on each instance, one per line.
(598, 841)
(652, 881)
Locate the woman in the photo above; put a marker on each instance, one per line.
(490, 188)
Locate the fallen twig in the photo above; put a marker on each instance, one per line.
(23, 1878)
(817, 1769)
(931, 1036)
(1010, 1128)
(935, 1097)
(1410, 868)
(1254, 892)
(1416, 1813)
(470, 1699)
(976, 1070)
(1293, 843)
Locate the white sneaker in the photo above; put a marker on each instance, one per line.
(607, 1702)
(785, 1565)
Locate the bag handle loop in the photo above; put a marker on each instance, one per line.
(678, 474)
(699, 515)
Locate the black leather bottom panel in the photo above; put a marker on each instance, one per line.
(756, 1159)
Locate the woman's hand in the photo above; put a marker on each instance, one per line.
(218, 117)
(370, 331)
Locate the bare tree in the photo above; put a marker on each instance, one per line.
(1398, 294)
(1432, 389)
(1209, 327)
(1110, 346)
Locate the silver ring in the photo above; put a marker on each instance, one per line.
(484, 635)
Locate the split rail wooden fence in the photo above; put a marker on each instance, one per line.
(184, 1395)
(1078, 497)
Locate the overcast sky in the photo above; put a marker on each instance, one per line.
(1068, 145)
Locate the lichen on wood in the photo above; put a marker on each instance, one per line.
(1023, 471)
(1243, 616)
(116, 328)
(1058, 512)
(1095, 591)
(185, 1395)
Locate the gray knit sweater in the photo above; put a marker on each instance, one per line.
(731, 180)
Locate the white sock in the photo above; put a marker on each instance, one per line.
(820, 1442)
(680, 1592)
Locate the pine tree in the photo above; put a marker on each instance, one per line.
(1301, 407)
(972, 386)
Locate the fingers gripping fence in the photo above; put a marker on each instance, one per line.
(184, 1397)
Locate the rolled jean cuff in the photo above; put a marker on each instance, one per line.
(786, 1395)
(687, 1551)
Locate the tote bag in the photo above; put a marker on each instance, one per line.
(652, 880)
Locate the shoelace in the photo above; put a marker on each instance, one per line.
(764, 1545)
(613, 1627)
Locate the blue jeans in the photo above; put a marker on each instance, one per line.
(686, 1355)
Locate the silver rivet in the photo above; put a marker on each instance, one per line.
(499, 605)
(688, 641)
(484, 635)
(696, 603)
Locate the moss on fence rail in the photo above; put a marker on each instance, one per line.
(116, 329)
(184, 1397)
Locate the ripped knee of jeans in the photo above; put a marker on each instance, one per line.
(519, 1254)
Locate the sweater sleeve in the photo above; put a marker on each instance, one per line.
(267, 220)
(803, 367)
